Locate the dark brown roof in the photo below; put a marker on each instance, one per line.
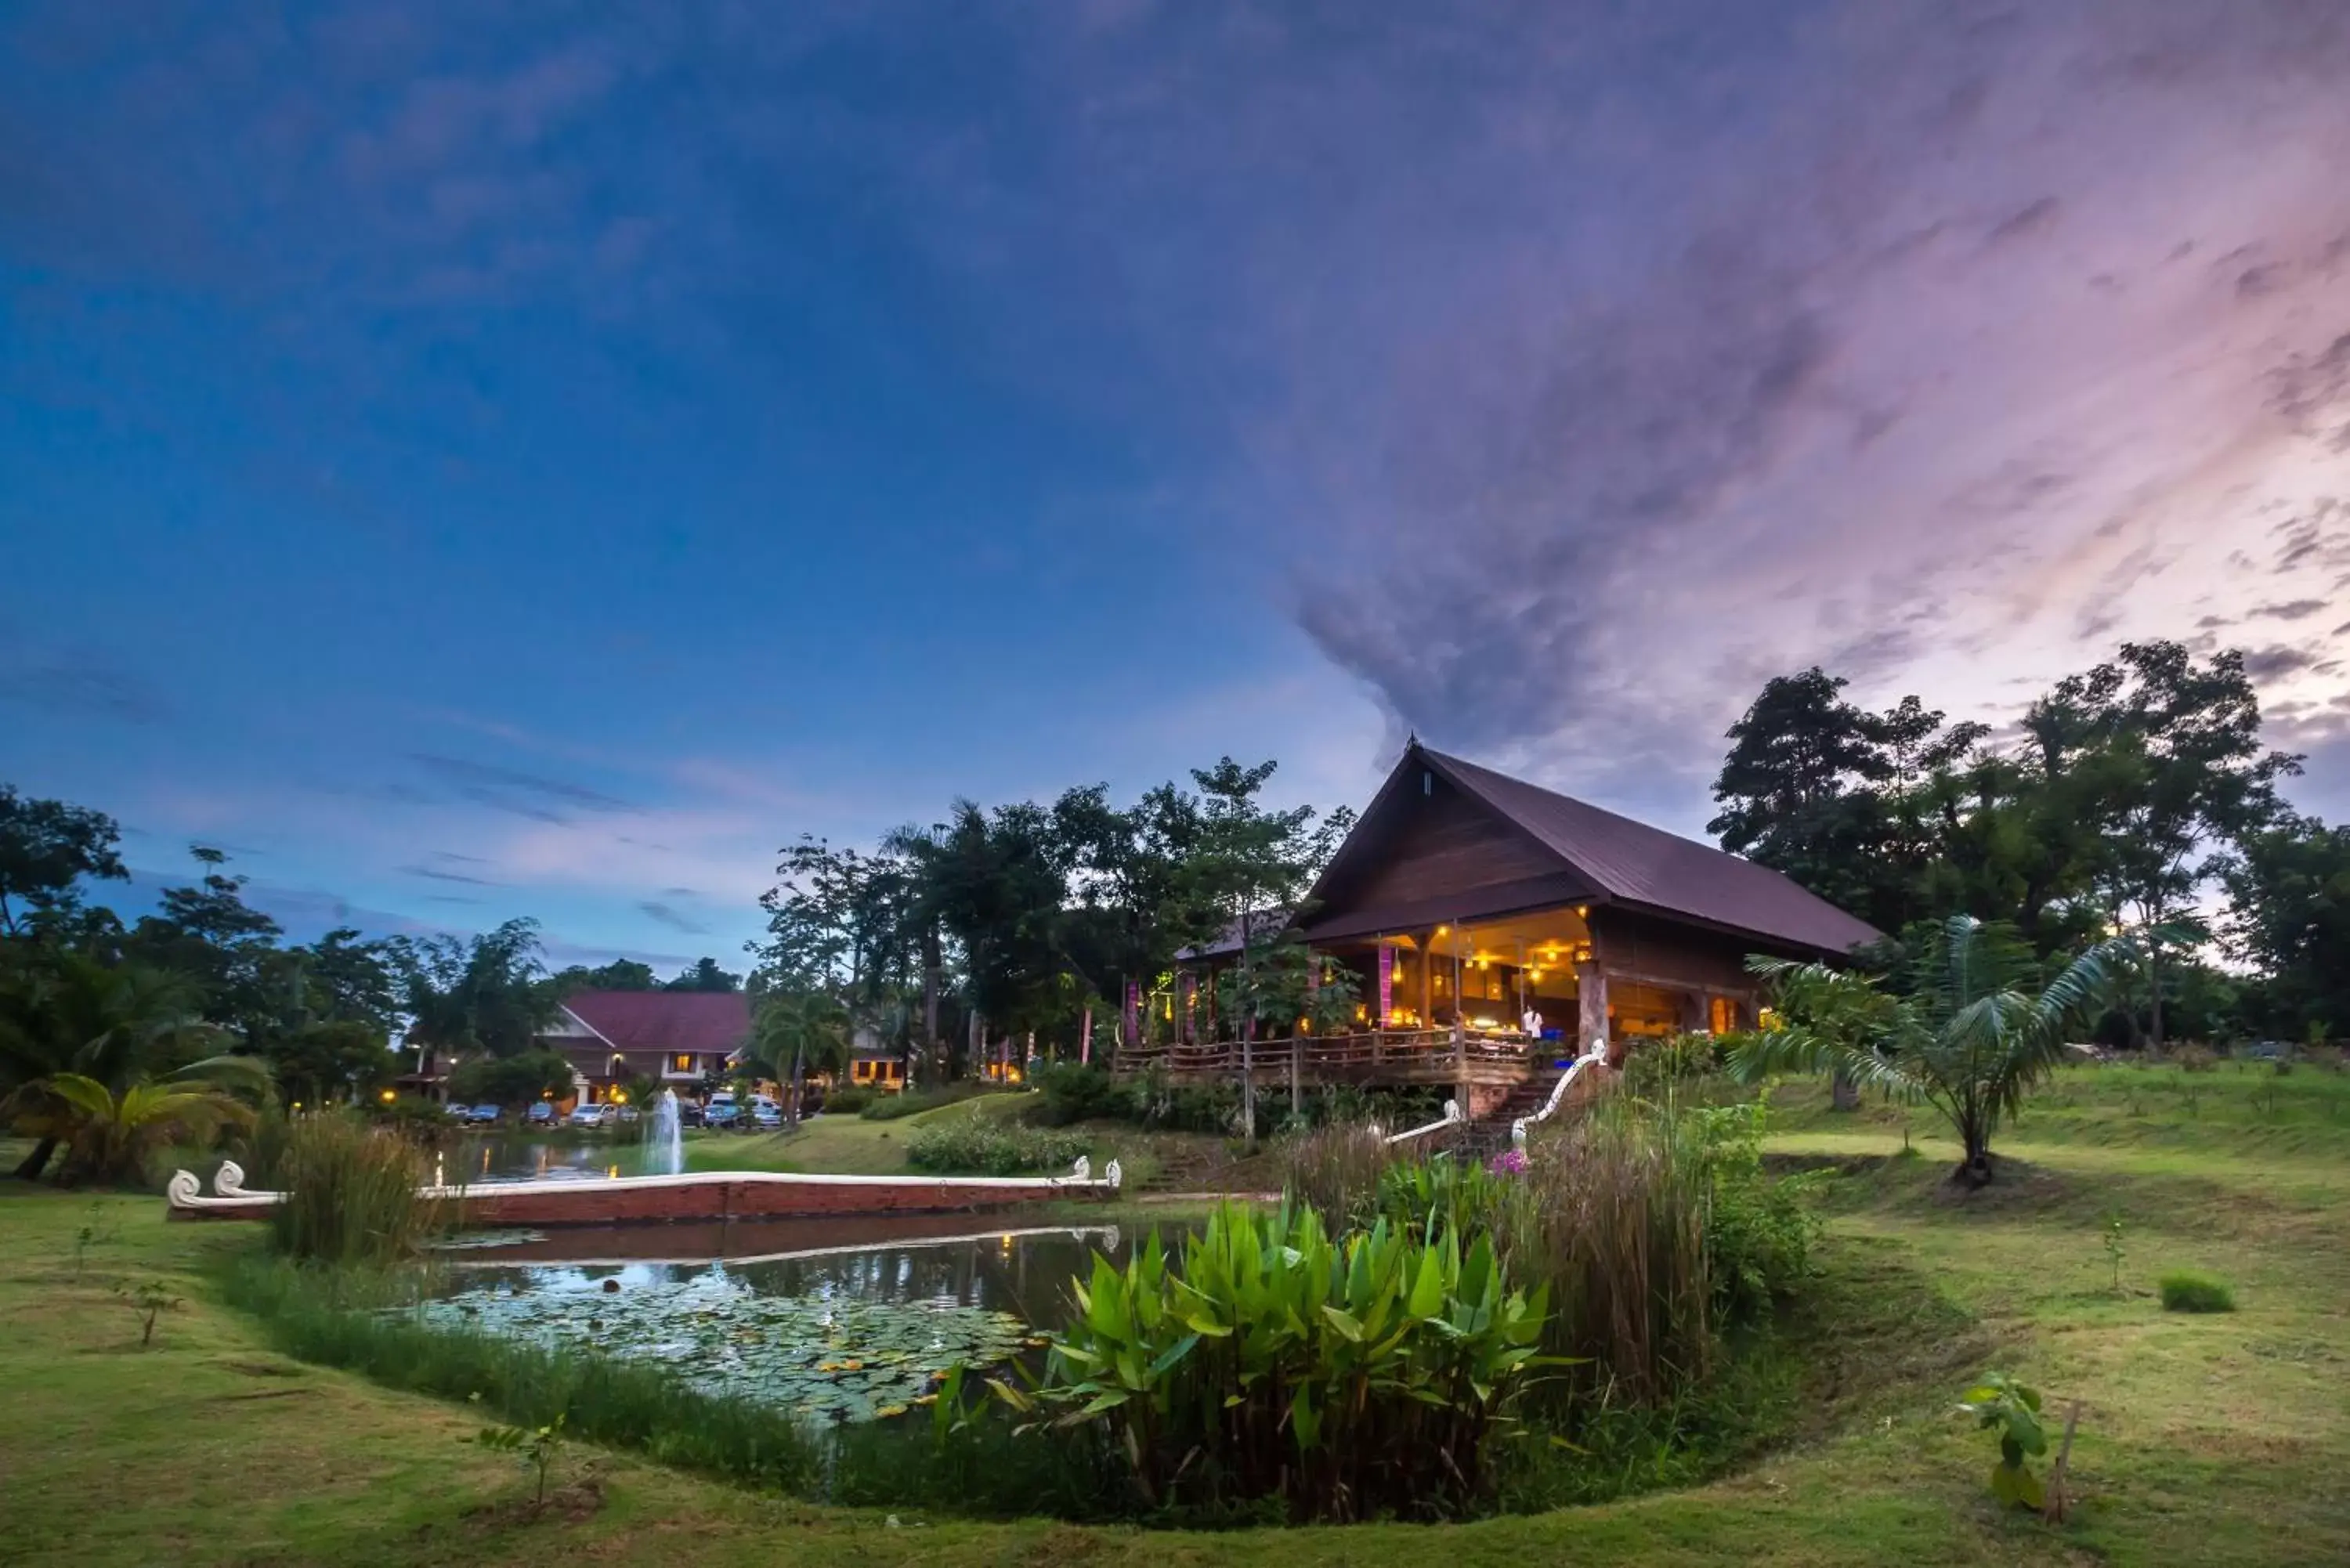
(1640, 866)
(1263, 923)
(694, 1021)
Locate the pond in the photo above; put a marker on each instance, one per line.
(837, 1320)
(519, 1157)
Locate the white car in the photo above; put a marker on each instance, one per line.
(590, 1116)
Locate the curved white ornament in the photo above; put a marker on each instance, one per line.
(184, 1190)
(1113, 1174)
(1084, 1169)
(229, 1180)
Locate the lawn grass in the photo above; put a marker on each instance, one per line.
(851, 1146)
(2212, 1438)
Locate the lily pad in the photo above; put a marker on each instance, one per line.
(830, 1359)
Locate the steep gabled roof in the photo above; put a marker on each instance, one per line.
(665, 1021)
(1642, 867)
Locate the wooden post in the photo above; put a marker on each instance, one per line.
(1296, 1062)
(2054, 1511)
(1591, 1005)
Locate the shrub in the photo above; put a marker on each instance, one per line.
(2190, 1290)
(415, 1118)
(848, 1099)
(1758, 1231)
(1350, 1379)
(350, 1193)
(1653, 1068)
(2000, 1403)
(1068, 1093)
(511, 1081)
(909, 1103)
(983, 1145)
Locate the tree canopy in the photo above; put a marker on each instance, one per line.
(2115, 802)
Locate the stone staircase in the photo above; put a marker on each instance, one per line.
(1489, 1135)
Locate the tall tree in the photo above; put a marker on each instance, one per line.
(207, 932)
(46, 848)
(2182, 775)
(706, 976)
(620, 975)
(1251, 865)
(1799, 792)
(2288, 914)
(485, 993)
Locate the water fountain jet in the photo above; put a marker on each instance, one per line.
(664, 1138)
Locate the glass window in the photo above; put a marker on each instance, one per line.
(680, 1063)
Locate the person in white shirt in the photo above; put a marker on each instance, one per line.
(1533, 1021)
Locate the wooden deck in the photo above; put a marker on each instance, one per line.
(1378, 1057)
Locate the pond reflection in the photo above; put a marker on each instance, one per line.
(940, 1260)
(840, 1320)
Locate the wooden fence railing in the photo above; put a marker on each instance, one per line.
(1431, 1056)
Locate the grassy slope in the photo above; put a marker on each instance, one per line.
(851, 1145)
(2218, 1440)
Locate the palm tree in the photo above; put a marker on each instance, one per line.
(1971, 1033)
(113, 1134)
(797, 1030)
(67, 1014)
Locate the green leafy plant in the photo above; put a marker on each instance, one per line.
(150, 1300)
(1347, 1378)
(1999, 1403)
(2114, 1251)
(2191, 1290)
(1970, 1030)
(536, 1446)
(985, 1146)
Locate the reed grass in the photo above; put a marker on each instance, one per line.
(351, 1193)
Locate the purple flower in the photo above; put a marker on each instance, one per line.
(1509, 1162)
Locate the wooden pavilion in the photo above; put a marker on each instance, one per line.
(1494, 931)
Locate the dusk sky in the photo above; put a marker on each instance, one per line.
(483, 459)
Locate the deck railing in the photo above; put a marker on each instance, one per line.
(1431, 1054)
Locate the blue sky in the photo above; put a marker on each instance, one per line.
(477, 460)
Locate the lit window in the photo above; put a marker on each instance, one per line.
(680, 1063)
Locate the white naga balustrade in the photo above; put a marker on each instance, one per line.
(1595, 1056)
(1452, 1116)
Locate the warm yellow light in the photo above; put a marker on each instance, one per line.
(388, 1096)
(297, 1105)
(1582, 911)
(1442, 929)
(619, 1096)
(1534, 974)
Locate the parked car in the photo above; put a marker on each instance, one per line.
(688, 1114)
(482, 1115)
(590, 1116)
(628, 1115)
(721, 1111)
(766, 1115)
(542, 1113)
